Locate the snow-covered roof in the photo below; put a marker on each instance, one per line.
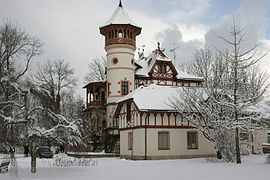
(153, 97)
(184, 76)
(120, 16)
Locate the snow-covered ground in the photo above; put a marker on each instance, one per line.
(252, 167)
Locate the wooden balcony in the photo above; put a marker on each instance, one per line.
(96, 103)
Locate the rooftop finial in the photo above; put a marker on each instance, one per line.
(120, 3)
(158, 45)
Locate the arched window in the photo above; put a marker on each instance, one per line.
(120, 34)
(159, 68)
(164, 69)
(116, 33)
(125, 33)
(130, 34)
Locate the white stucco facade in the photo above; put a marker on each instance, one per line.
(177, 144)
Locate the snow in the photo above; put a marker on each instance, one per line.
(90, 153)
(184, 76)
(120, 16)
(252, 167)
(148, 63)
(153, 97)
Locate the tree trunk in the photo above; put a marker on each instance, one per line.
(33, 155)
(237, 147)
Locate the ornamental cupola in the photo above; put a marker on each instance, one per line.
(120, 29)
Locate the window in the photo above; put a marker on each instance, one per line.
(124, 88)
(164, 69)
(115, 122)
(109, 84)
(115, 61)
(120, 35)
(159, 68)
(125, 33)
(163, 141)
(268, 137)
(130, 141)
(128, 112)
(192, 140)
(116, 33)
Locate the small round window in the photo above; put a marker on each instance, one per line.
(115, 61)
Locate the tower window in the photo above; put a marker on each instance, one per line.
(115, 61)
(131, 35)
(125, 33)
(116, 33)
(120, 34)
(124, 87)
(112, 34)
(109, 34)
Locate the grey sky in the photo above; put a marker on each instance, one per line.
(70, 28)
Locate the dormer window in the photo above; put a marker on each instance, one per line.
(164, 69)
(159, 68)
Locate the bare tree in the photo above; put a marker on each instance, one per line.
(97, 69)
(17, 50)
(234, 85)
(57, 76)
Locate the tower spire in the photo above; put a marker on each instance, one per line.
(120, 3)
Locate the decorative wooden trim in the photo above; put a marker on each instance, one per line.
(156, 127)
(113, 68)
(120, 52)
(169, 118)
(115, 96)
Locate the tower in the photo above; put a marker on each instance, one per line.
(120, 44)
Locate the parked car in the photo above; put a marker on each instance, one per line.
(44, 152)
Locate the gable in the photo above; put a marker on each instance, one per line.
(163, 69)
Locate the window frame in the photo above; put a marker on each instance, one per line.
(130, 141)
(124, 88)
(168, 140)
(190, 146)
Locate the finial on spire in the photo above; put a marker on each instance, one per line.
(158, 45)
(120, 3)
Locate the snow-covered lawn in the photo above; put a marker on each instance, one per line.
(252, 167)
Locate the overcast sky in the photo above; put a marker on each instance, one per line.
(70, 28)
